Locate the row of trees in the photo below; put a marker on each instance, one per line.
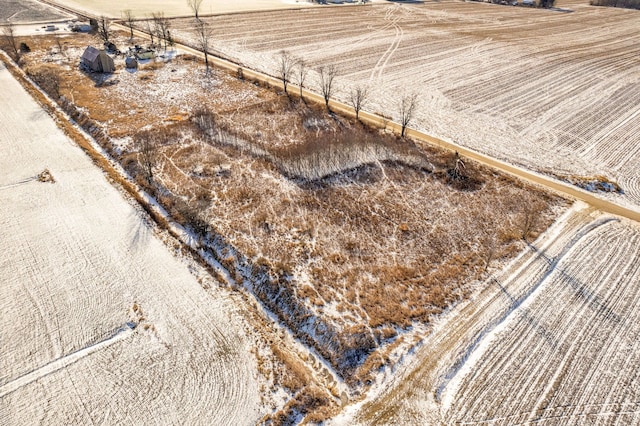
(289, 67)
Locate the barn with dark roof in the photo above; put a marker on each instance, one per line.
(96, 60)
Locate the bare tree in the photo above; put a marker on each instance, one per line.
(408, 106)
(150, 30)
(128, 18)
(529, 217)
(203, 32)
(195, 6)
(161, 28)
(60, 47)
(285, 68)
(358, 99)
(9, 39)
(301, 73)
(489, 246)
(104, 29)
(147, 144)
(327, 75)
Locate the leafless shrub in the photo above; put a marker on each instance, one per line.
(408, 105)
(327, 77)
(358, 99)
(205, 121)
(530, 216)
(460, 176)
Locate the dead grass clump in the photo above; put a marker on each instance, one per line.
(295, 376)
(46, 176)
(152, 65)
(311, 405)
(596, 183)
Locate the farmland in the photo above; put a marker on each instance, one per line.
(571, 353)
(29, 11)
(556, 92)
(178, 8)
(416, 286)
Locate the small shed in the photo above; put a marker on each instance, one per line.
(97, 60)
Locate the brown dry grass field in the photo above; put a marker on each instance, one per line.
(352, 237)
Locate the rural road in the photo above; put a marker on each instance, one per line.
(561, 188)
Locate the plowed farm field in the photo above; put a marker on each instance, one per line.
(99, 321)
(557, 91)
(17, 11)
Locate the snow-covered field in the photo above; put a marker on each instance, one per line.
(552, 339)
(569, 353)
(99, 321)
(17, 11)
(141, 8)
(554, 91)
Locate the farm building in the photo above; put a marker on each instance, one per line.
(96, 60)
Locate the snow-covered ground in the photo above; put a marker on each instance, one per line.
(568, 351)
(99, 321)
(141, 8)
